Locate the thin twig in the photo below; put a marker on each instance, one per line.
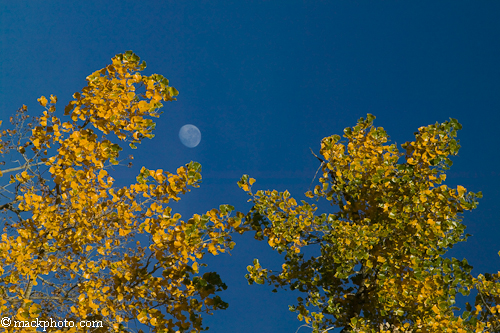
(322, 163)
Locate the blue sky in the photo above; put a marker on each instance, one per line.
(266, 80)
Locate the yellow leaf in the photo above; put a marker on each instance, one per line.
(461, 190)
(142, 317)
(251, 181)
(235, 222)
(158, 174)
(53, 99)
(435, 309)
(43, 101)
(212, 249)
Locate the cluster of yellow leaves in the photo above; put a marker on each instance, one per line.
(80, 248)
(380, 257)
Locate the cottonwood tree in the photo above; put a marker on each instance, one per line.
(377, 261)
(76, 247)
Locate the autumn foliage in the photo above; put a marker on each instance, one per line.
(74, 246)
(377, 261)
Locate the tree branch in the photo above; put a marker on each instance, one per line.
(24, 166)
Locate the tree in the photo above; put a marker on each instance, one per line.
(74, 246)
(377, 261)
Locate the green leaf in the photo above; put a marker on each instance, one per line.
(468, 307)
(225, 209)
(370, 118)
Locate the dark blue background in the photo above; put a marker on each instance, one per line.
(266, 80)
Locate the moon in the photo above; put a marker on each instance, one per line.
(190, 135)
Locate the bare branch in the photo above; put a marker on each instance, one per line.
(24, 166)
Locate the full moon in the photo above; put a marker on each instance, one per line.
(190, 135)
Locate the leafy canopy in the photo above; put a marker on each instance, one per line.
(76, 247)
(379, 256)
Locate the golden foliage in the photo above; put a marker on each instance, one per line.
(74, 246)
